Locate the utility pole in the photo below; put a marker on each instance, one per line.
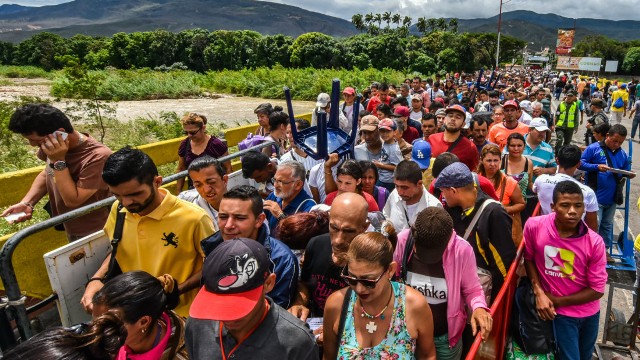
(498, 47)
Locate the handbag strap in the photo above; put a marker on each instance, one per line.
(454, 144)
(605, 150)
(408, 248)
(117, 236)
(473, 222)
(343, 316)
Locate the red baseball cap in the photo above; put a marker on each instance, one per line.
(511, 103)
(401, 111)
(233, 276)
(349, 91)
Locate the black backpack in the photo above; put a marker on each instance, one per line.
(533, 335)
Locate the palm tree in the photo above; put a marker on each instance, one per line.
(442, 24)
(386, 17)
(422, 25)
(406, 22)
(431, 24)
(378, 18)
(368, 18)
(356, 20)
(453, 25)
(396, 19)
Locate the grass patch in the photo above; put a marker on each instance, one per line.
(305, 84)
(120, 85)
(29, 72)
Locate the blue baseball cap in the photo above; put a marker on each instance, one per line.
(456, 175)
(421, 153)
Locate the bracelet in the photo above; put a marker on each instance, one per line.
(26, 203)
(95, 279)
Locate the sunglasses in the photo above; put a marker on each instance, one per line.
(192, 133)
(353, 281)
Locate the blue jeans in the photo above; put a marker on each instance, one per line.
(575, 337)
(443, 351)
(605, 222)
(634, 125)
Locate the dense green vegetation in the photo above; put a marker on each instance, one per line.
(202, 50)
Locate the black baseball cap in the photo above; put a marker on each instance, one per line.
(233, 276)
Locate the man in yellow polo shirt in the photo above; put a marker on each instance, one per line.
(161, 233)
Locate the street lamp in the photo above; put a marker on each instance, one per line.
(498, 47)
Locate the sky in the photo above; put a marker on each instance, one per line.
(462, 9)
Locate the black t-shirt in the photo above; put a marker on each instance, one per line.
(429, 280)
(319, 273)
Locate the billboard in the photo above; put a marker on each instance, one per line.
(578, 63)
(565, 41)
(538, 58)
(611, 66)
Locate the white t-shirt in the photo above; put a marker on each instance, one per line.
(417, 116)
(525, 118)
(347, 110)
(544, 185)
(308, 162)
(316, 179)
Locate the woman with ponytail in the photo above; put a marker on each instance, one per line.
(144, 305)
(99, 340)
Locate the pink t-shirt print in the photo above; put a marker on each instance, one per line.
(566, 265)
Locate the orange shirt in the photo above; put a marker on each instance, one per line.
(498, 134)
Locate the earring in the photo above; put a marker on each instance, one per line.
(143, 330)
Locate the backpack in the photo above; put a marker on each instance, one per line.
(533, 335)
(251, 141)
(619, 103)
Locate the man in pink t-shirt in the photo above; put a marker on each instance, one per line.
(566, 263)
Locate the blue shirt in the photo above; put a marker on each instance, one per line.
(604, 182)
(542, 156)
(303, 202)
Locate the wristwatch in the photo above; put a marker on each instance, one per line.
(58, 165)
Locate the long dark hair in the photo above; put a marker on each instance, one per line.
(103, 339)
(353, 169)
(136, 294)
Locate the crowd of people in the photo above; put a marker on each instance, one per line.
(412, 235)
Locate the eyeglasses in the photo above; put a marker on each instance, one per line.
(282, 182)
(191, 133)
(353, 281)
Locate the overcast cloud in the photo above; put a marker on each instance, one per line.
(463, 9)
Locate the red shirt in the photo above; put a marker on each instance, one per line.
(410, 134)
(374, 102)
(465, 150)
(373, 205)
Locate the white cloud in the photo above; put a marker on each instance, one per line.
(463, 9)
(470, 9)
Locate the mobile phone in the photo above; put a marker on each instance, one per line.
(11, 218)
(64, 134)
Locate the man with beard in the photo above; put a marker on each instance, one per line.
(451, 140)
(288, 197)
(161, 234)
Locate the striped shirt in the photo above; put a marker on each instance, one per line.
(542, 156)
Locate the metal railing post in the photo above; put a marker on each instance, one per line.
(15, 304)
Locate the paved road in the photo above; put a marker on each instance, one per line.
(622, 299)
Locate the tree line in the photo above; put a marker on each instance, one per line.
(202, 50)
(439, 47)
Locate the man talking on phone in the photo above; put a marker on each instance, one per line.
(72, 176)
